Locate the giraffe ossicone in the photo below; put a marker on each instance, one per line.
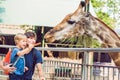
(80, 23)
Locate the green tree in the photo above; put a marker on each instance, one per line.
(105, 16)
(2, 10)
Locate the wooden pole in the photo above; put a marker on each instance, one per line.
(43, 42)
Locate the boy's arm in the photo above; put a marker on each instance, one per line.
(26, 50)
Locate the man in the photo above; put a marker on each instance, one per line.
(34, 58)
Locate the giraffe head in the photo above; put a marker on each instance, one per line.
(80, 23)
(67, 27)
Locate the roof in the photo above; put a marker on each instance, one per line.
(38, 12)
(10, 29)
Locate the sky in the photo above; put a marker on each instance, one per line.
(38, 12)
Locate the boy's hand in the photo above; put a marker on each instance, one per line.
(26, 68)
(30, 46)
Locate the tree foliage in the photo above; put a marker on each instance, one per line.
(2, 10)
(103, 9)
(106, 19)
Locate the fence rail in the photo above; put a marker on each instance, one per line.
(55, 69)
(71, 49)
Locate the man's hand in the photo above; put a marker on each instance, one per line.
(8, 69)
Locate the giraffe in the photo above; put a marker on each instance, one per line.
(83, 23)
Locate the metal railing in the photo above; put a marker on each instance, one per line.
(67, 70)
(70, 70)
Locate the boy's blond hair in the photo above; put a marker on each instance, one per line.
(19, 37)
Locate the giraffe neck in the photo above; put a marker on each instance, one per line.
(104, 34)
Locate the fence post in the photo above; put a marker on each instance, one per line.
(84, 66)
(87, 42)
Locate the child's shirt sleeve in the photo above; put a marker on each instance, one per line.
(14, 55)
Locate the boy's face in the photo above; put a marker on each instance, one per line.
(31, 40)
(22, 43)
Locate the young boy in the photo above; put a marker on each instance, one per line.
(33, 58)
(17, 56)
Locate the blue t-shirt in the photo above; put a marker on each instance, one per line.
(31, 60)
(18, 62)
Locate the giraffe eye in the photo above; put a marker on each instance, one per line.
(71, 21)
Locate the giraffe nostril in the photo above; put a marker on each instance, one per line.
(46, 36)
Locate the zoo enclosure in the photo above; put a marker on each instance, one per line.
(68, 70)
